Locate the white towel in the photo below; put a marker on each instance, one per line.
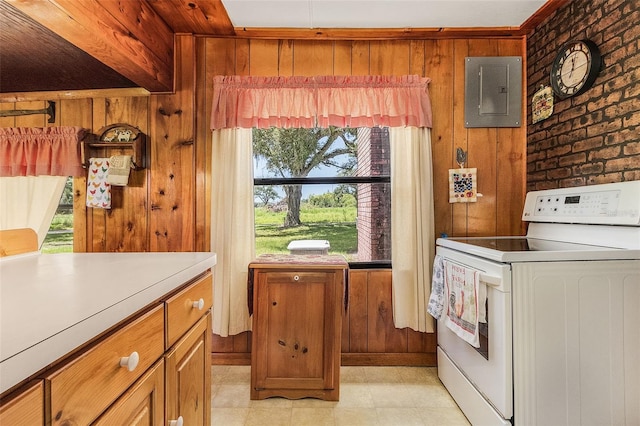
(119, 168)
(98, 187)
(462, 285)
(437, 299)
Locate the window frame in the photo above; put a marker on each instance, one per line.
(371, 264)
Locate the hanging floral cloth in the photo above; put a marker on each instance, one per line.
(34, 151)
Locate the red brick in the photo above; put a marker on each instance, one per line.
(633, 120)
(621, 137)
(604, 127)
(559, 151)
(587, 144)
(631, 175)
(559, 173)
(621, 164)
(588, 169)
(605, 153)
(570, 160)
(605, 178)
(632, 148)
(573, 182)
(546, 165)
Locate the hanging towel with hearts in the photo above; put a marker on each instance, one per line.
(98, 187)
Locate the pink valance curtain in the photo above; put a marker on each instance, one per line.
(343, 101)
(34, 151)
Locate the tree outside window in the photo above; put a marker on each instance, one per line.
(328, 184)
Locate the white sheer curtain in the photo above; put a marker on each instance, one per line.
(232, 228)
(30, 202)
(412, 228)
(399, 102)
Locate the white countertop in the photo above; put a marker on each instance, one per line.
(52, 303)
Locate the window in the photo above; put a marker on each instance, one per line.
(59, 238)
(324, 184)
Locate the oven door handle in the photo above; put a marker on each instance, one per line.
(490, 280)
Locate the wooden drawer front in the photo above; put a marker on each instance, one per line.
(181, 312)
(25, 409)
(86, 386)
(295, 277)
(142, 404)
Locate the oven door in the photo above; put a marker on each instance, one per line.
(487, 369)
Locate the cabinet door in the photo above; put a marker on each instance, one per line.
(142, 404)
(188, 376)
(295, 330)
(25, 409)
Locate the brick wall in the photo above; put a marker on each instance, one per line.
(593, 137)
(374, 207)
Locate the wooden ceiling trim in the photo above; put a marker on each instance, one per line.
(136, 42)
(374, 34)
(73, 94)
(547, 9)
(194, 17)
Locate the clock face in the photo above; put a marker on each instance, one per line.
(575, 68)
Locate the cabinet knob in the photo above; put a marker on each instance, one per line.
(131, 361)
(296, 277)
(199, 304)
(177, 422)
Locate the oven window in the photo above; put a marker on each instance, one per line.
(483, 331)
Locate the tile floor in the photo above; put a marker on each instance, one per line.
(384, 396)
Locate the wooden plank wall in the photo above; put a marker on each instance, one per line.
(368, 333)
(167, 206)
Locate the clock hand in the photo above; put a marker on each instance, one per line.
(573, 64)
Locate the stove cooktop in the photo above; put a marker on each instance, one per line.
(523, 249)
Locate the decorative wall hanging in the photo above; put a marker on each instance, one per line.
(124, 138)
(463, 186)
(542, 104)
(50, 110)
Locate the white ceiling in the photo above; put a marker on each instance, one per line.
(380, 13)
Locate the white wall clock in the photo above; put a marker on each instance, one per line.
(575, 68)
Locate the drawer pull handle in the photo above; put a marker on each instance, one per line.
(199, 304)
(178, 422)
(296, 277)
(131, 361)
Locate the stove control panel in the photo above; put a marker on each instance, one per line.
(611, 204)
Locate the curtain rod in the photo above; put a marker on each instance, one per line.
(50, 110)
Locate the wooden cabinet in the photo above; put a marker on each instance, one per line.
(298, 305)
(151, 370)
(101, 371)
(188, 376)
(26, 407)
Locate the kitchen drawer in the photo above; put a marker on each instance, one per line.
(142, 404)
(187, 306)
(26, 408)
(83, 388)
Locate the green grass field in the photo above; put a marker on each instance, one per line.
(335, 224)
(61, 239)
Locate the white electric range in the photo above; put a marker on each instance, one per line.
(562, 339)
